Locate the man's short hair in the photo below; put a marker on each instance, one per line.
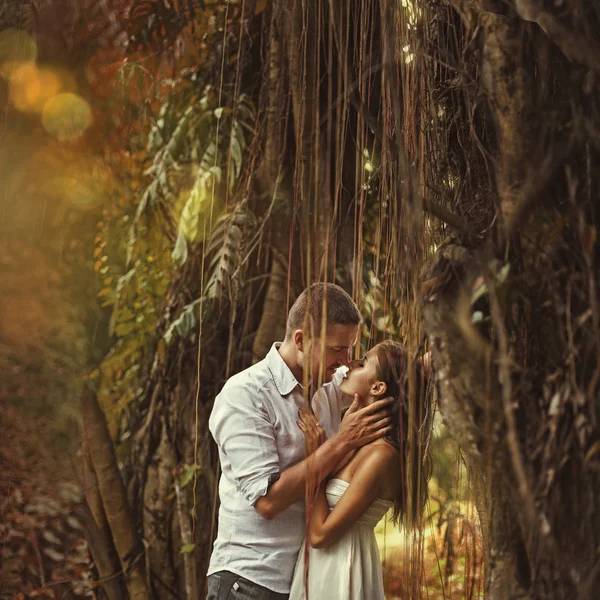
(340, 309)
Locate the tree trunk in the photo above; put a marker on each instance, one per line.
(97, 531)
(274, 180)
(302, 24)
(114, 497)
(498, 340)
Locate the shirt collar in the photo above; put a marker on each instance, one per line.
(283, 377)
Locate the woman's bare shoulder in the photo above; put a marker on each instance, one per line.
(377, 452)
(382, 460)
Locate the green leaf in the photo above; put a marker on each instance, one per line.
(186, 548)
(503, 274)
(180, 252)
(119, 312)
(226, 247)
(126, 350)
(124, 329)
(236, 146)
(200, 204)
(186, 322)
(478, 293)
(187, 475)
(210, 158)
(148, 199)
(595, 449)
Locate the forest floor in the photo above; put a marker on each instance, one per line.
(443, 562)
(43, 351)
(43, 550)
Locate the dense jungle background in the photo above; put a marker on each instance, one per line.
(174, 172)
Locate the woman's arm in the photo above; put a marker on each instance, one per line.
(361, 427)
(327, 527)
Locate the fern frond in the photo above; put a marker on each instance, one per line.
(185, 324)
(227, 245)
(192, 138)
(200, 205)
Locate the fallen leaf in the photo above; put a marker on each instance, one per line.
(53, 554)
(51, 537)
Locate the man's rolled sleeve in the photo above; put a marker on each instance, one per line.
(242, 430)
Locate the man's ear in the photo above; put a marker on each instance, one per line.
(299, 340)
(379, 388)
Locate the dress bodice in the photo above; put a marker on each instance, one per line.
(334, 491)
(348, 569)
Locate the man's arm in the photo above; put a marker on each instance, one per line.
(359, 427)
(245, 435)
(290, 487)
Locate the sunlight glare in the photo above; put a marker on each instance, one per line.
(66, 116)
(412, 12)
(408, 55)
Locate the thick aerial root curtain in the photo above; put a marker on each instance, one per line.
(436, 159)
(348, 123)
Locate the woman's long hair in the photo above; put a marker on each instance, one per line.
(412, 417)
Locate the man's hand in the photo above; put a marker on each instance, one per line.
(359, 427)
(362, 426)
(314, 434)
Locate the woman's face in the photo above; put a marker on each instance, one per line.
(363, 377)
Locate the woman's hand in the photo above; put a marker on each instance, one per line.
(314, 434)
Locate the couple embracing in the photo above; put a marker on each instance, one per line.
(275, 453)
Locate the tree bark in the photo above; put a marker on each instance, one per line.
(97, 531)
(160, 530)
(102, 550)
(508, 91)
(469, 402)
(302, 24)
(114, 497)
(273, 174)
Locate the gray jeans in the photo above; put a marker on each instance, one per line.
(229, 586)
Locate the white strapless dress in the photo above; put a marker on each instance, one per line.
(350, 569)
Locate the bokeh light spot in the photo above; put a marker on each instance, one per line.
(66, 116)
(16, 47)
(31, 88)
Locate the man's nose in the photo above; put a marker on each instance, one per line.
(344, 358)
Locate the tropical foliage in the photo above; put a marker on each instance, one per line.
(436, 159)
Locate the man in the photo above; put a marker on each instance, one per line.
(261, 448)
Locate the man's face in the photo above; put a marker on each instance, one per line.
(331, 353)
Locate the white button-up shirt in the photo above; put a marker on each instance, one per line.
(253, 422)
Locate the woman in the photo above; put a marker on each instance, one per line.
(339, 558)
